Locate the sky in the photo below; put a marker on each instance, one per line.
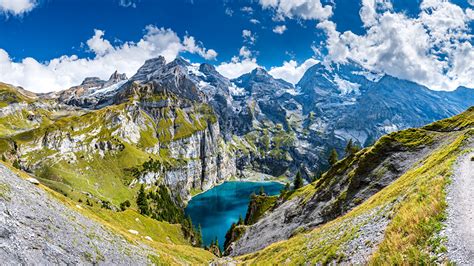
(49, 45)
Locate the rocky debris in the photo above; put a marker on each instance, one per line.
(134, 232)
(37, 229)
(370, 233)
(33, 180)
(459, 224)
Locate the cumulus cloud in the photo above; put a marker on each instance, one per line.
(191, 46)
(290, 70)
(301, 9)
(245, 52)
(17, 7)
(432, 49)
(237, 67)
(98, 44)
(67, 71)
(279, 29)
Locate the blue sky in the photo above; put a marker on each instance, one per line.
(52, 39)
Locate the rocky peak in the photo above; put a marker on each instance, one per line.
(208, 69)
(149, 68)
(179, 61)
(259, 72)
(116, 77)
(90, 82)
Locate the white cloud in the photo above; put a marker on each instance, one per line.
(229, 12)
(290, 70)
(303, 9)
(255, 21)
(98, 44)
(190, 46)
(247, 9)
(237, 67)
(128, 3)
(67, 71)
(432, 49)
(370, 8)
(249, 37)
(17, 7)
(245, 52)
(279, 29)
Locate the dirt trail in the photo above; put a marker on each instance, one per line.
(460, 222)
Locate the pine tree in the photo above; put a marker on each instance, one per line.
(142, 201)
(199, 236)
(351, 148)
(298, 181)
(333, 157)
(348, 149)
(241, 221)
(317, 176)
(262, 191)
(16, 164)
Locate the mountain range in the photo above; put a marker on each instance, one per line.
(280, 128)
(176, 129)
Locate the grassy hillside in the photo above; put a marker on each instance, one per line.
(77, 152)
(406, 214)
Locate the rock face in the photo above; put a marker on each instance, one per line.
(36, 229)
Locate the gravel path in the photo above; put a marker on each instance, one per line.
(460, 222)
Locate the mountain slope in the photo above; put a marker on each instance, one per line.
(368, 220)
(41, 226)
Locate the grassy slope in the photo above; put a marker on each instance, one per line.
(167, 242)
(417, 199)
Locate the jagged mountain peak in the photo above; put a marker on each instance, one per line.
(92, 82)
(148, 69)
(159, 60)
(179, 61)
(208, 69)
(116, 76)
(259, 71)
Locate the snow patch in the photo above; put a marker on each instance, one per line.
(236, 91)
(371, 76)
(390, 128)
(108, 89)
(347, 134)
(193, 69)
(293, 91)
(345, 86)
(203, 84)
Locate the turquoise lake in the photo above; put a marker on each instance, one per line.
(216, 209)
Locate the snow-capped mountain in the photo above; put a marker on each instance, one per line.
(275, 127)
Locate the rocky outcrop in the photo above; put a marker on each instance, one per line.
(205, 163)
